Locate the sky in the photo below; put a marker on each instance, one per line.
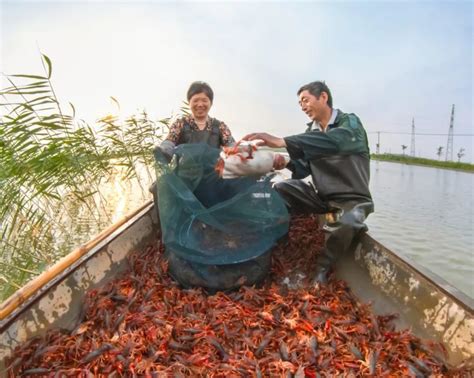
(387, 62)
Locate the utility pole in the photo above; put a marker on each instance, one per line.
(449, 147)
(378, 143)
(412, 147)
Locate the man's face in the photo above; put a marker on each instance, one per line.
(314, 107)
(200, 105)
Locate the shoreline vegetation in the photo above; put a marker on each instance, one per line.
(403, 159)
(56, 171)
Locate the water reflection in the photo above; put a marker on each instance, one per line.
(426, 214)
(74, 223)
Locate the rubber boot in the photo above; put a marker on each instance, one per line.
(341, 226)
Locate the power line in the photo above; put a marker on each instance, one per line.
(408, 133)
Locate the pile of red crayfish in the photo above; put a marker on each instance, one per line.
(143, 324)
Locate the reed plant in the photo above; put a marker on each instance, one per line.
(56, 172)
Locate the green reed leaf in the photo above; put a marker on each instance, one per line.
(50, 66)
(30, 76)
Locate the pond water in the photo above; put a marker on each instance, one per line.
(426, 214)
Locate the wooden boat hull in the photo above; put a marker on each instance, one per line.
(425, 303)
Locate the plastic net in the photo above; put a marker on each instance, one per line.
(208, 223)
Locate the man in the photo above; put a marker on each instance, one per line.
(334, 151)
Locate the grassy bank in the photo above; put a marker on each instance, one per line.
(426, 162)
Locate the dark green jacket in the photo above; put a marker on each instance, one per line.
(338, 159)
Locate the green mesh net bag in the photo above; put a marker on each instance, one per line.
(217, 233)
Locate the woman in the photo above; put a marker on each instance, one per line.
(198, 127)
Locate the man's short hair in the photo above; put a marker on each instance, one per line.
(200, 87)
(316, 88)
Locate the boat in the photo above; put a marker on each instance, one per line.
(426, 303)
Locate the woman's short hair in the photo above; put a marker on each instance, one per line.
(200, 87)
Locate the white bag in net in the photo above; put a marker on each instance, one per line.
(248, 160)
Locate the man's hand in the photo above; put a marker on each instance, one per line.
(279, 161)
(264, 139)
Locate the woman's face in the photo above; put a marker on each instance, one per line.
(200, 105)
